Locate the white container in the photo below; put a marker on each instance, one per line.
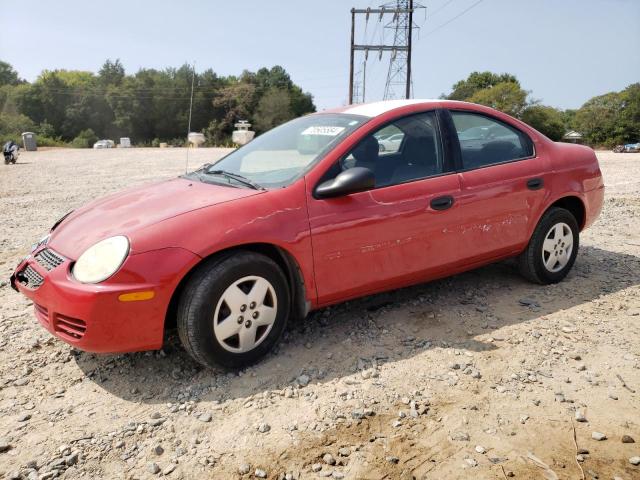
(242, 135)
(196, 139)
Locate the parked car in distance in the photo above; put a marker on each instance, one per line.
(307, 215)
(104, 144)
(628, 148)
(391, 143)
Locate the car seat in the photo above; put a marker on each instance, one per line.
(419, 159)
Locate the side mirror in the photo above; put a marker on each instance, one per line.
(352, 180)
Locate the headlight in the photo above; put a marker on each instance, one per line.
(101, 260)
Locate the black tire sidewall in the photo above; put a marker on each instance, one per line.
(202, 295)
(551, 218)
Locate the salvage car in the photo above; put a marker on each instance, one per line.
(308, 215)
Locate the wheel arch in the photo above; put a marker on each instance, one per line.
(290, 267)
(573, 204)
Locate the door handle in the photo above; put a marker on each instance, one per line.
(442, 203)
(535, 184)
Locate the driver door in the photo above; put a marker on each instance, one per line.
(395, 234)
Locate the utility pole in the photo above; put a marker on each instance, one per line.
(408, 92)
(400, 51)
(353, 31)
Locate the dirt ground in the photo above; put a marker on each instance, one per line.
(481, 376)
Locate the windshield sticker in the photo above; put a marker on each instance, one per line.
(323, 130)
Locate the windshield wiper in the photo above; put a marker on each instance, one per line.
(237, 177)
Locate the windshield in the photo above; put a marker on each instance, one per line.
(279, 156)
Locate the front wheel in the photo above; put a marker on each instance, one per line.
(552, 249)
(233, 310)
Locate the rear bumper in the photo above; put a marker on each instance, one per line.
(594, 200)
(92, 317)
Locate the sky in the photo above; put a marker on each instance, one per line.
(563, 51)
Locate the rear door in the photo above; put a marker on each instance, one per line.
(503, 182)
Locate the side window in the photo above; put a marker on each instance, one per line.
(486, 141)
(407, 149)
(389, 139)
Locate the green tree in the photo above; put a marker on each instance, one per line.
(630, 113)
(546, 120)
(232, 103)
(476, 81)
(273, 109)
(85, 139)
(12, 126)
(507, 97)
(150, 104)
(599, 120)
(111, 73)
(568, 119)
(8, 76)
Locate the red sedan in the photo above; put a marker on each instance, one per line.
(310, 214)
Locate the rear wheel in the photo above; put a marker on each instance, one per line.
(552, 249)
(233, 310)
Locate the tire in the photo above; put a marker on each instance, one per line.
(547, 259)
(248, 290)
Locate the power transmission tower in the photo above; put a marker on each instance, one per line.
(400, 62)
(399, 75)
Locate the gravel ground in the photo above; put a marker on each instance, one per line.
(481, 375)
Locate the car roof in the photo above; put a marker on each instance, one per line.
(374, 109)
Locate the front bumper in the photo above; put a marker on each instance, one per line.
(91, 317)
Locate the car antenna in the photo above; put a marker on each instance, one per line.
(193, 77)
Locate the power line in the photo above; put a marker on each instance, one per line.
(442, 7)
(452, 19)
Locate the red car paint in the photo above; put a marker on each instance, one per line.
(343, 247)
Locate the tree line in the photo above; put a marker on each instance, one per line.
(604, 121)
(150, 106)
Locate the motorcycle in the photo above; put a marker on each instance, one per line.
(10, 151)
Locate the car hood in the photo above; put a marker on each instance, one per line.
(125, 212)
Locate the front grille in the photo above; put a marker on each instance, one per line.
(72, 328)
(30, 278)
(49, 259)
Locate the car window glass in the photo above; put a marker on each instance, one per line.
(407, 149)
(389, 139)
(485, 141)
(278, 156)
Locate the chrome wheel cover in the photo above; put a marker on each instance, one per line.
(245, 314)
(557, 247)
